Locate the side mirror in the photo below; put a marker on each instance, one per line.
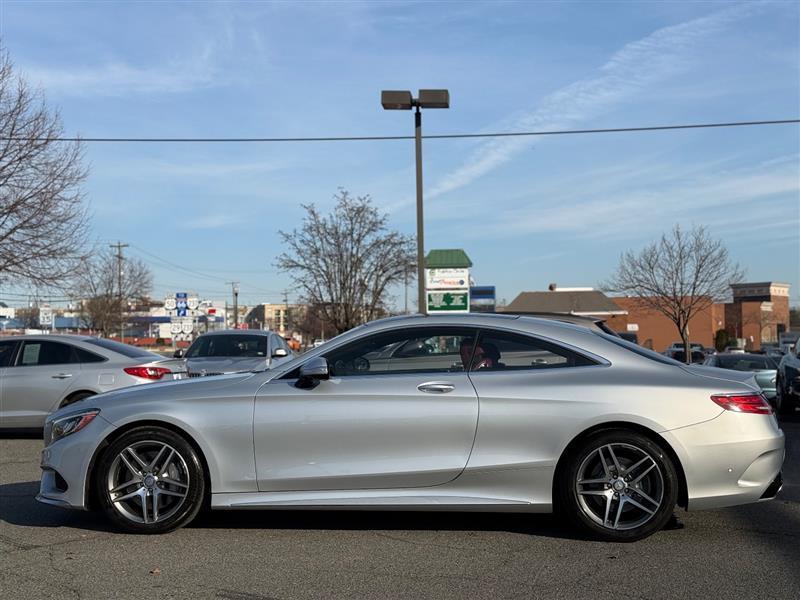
(279, 353)
(178, 353)
(312, 372)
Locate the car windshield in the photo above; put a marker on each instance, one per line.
(124, 349)
(746, 362)
(229, 346)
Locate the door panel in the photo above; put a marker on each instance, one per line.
(30, 390)
(8, 350)
(375, 431)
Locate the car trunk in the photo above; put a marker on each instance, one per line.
(746, 377)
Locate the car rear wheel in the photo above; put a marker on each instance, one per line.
(150, 480)
(619, 486)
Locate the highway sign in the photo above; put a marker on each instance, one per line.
(448, 301)
(46, 317)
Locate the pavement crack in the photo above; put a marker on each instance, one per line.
(68, 575)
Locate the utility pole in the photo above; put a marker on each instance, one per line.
(285, 320)
(119, 246)
(235, 289)
(405, 286)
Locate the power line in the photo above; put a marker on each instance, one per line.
(372, 138)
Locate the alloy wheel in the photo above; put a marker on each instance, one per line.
(148, 482)
(619, 486)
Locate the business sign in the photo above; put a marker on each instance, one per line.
(448, 301)
(482, 298)
(446, 279)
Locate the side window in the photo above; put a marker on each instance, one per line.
(84, 356)
(497, 350)
(46, 353)
(7, 352)
(420, 350)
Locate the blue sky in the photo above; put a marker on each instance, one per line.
(528, 211)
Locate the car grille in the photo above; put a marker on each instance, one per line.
(203, 374)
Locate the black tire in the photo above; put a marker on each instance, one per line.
(604, 509)
(75, 398)
(153, 504)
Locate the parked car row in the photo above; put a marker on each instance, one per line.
(42, 373)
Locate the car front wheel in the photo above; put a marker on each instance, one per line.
(150, 480)
(619, 486)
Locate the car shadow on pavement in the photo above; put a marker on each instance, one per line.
(18, 506)
(776, 524)
(537, 525)
(21, 434)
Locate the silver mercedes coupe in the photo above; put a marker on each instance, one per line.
(472, 413)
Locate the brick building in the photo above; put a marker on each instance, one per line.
(657, 332)
(586, 302)
(759, 312)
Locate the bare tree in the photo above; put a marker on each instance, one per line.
(98, 285)
(344, 263)
(43, 221)
(678, 276)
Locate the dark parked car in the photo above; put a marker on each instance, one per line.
(788, 381)
(764, 367)
(679, 355)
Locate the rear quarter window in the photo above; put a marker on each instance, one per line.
(636, 349)
(124, 349)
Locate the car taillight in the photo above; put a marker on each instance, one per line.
(743, 403)
(154, 373)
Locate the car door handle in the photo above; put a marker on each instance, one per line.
(436, 387)
(62, 376)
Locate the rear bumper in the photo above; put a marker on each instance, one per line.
(731, 460)
(774, 488)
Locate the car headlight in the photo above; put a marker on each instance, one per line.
(75, 422)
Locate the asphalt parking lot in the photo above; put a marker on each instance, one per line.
(47, 552)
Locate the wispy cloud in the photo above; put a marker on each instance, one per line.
(212, 221)
(154, 168)
(645, 202)
(633, 68)
(116, 78)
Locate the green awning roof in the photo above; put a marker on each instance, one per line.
(454, 258)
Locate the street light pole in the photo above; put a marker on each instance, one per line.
(402, 100)
(422, 303)
(235, 290)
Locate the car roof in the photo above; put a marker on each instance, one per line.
(253, 332)
(474, 320)
(48, 336)
(741, 354)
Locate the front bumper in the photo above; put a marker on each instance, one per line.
(65, 465)
(731, 460)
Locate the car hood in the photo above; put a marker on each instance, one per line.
(222, 364)
(745, 377)
(158, 390)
